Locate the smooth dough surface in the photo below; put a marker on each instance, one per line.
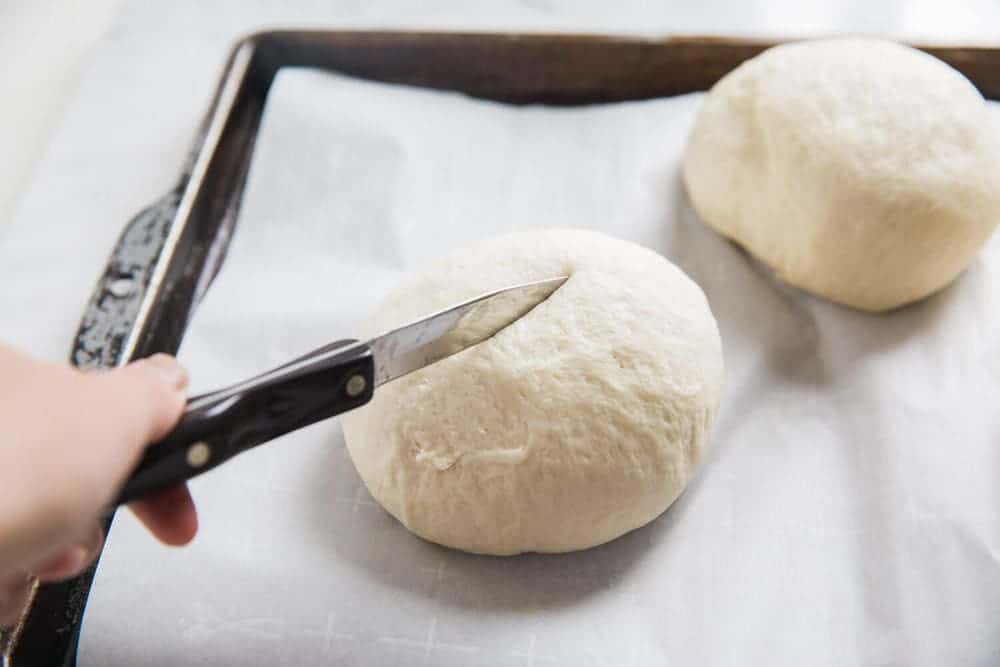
(860, 170)
(581, 421)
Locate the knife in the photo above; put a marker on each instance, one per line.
(328, 381)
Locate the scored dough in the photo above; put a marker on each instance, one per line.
(860, 170)
(579, 422)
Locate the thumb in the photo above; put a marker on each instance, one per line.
(129, 407)
(145, 399)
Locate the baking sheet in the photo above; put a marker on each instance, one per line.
(847, 513)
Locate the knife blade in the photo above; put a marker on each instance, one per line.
(435, 337)
(328, 381)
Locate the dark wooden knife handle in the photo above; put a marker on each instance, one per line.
(221, 424)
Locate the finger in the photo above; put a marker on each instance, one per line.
(141, 403)
(73, 560)
(168, 514)
(14, 592)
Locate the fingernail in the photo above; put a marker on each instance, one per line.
(171, 371)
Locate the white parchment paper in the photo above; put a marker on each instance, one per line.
(846, 514)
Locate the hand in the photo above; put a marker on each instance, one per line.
(68, 439)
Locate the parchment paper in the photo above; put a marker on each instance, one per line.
(846, 514)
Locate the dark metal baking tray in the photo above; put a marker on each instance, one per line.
(169, 253)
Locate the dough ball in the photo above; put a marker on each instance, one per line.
(860, 170)
(581, 421)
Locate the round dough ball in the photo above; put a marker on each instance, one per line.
(579, 422)
(860, 170)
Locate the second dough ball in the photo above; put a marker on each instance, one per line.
(860, 170)
(575, 424)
